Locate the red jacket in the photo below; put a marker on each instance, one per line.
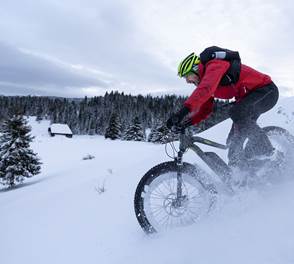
(200, 102)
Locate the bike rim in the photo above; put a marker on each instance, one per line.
(160, 196)
(280, 141)
(284, 145)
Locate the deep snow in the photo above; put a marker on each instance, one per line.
(59, 216)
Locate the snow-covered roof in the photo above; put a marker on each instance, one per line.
(60, 128)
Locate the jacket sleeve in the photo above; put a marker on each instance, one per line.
(204, 111)
(215, 69)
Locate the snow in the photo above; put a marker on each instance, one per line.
(60, 129)
(60, 217)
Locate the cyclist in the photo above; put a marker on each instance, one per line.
(254, 92)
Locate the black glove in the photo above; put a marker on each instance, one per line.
(176, 118)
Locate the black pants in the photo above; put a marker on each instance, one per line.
(244, 115)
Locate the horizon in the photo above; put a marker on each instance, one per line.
(120, 92)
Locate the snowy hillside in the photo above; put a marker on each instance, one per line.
(81, 211)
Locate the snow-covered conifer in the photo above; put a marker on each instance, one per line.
(17, 160)
(135, 131)
(113, 131)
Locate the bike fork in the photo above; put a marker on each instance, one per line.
(179, 161)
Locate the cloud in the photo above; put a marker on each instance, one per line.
(23, 69)
(93, 46)
(101, 36)
(262, 31)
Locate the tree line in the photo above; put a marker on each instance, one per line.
(129, 115)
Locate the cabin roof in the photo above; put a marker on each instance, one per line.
(60, 128)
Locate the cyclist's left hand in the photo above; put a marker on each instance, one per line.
(176, 118)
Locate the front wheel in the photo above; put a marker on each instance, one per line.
(171, 195)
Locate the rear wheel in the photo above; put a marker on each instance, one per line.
(281, 140)
(280, 134)
(171, 195)
(276, 167)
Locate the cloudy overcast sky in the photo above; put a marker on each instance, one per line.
(75, 48)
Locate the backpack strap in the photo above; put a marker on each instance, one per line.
(233, 73)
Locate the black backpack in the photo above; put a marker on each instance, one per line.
(233, 73)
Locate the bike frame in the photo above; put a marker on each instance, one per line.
(213, 161)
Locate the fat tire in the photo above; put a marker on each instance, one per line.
(281, 131)
(155, 172)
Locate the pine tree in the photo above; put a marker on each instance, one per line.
(17, 160)
(135, 131)
(113, 131)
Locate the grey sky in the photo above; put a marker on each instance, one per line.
(77, 48)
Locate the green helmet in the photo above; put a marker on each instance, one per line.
(189, 64)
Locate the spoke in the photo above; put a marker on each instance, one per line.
(169, 221)
(162, 219)
(157, 212)
(160, 190)
(166, 187)
(191, 196)
(194, 190)
(155, 196)
(156, 207)
(184, 220)
(193, 216)
(164, 213)
(169, 184)
(194, 210)
(197, 200)
(187, 218)
(179, 220)
(158, 193)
